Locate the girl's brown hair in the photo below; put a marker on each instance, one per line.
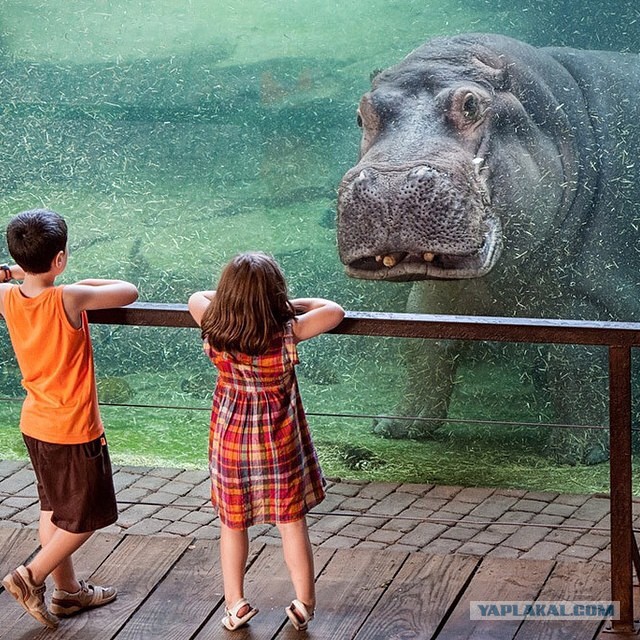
(251, 306)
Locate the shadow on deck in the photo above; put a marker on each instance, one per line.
(171, 589)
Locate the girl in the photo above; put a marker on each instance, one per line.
(261, 457)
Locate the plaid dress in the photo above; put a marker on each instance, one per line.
(262, 461)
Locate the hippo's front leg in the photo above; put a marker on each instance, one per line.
(431, 364)
(430, 368)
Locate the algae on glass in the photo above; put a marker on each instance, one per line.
(174, 135)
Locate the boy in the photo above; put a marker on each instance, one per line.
(60, 419)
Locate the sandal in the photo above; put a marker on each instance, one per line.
(231, 618)
(299, 615)
(65, 603)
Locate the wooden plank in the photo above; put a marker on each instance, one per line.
(569, 581)
(183, 600)
(87, 559)
(497, 579)
(136, 566)
(16, 547)
(419, 597)
(347, 591)
(90, 556)
(268, 587)
(6, 534)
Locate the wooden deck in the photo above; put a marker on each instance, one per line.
(170, 589)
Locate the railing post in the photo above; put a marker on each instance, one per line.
(620, 485)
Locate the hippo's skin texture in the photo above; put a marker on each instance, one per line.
(506, 179)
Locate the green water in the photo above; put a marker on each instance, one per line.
(173, 135)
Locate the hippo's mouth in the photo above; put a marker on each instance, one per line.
(398, 265)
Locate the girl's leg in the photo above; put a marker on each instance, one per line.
(298, 555)
(234, 552)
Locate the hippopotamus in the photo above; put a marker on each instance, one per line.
(505, 180)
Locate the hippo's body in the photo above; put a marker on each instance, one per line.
(506, 178)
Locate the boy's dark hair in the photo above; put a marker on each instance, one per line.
(35, 237)
(251, 306)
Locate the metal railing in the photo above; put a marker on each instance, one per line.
(617, 336)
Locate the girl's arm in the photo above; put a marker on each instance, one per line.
(198, 303)
(317, 316)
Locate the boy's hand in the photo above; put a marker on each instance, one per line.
(17, 273)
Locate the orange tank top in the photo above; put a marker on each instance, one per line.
(56, 362)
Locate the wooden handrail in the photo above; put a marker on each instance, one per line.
(619, 337)
(408, 325)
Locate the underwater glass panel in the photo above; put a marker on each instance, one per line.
(173, 135)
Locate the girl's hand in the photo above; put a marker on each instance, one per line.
(198, 303)
(318, 316)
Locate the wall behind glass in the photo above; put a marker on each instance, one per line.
(173, 135)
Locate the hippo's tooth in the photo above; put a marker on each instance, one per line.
(478, 160)
(428, 256)
(378, 258)
(363, 176)
(392, 259)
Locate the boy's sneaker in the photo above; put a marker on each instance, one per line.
(88, 596)
(31, 596)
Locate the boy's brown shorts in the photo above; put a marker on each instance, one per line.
(75, 482)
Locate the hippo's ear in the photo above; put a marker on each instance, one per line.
(492, 70)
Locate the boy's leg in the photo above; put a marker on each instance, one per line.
(298, 555)
(26, 584)
(55, 557)
(71, 595)
(88, 470)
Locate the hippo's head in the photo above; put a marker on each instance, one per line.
(460, 144)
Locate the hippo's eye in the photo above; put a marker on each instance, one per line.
(359, 119)
(471, 107)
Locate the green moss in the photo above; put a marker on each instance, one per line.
(170, 146)
(114, 390)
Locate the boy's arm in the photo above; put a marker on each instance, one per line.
(198, 304)
(317, 316)
(96, 294)
(12, 272)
